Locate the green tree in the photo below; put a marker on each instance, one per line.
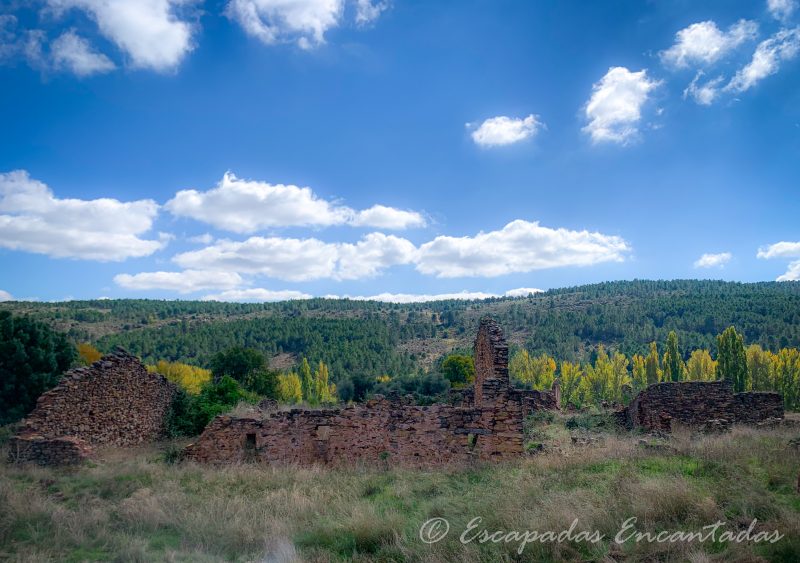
(237, 362)
(732, 359)
(32, 359)
(459, 369)
(307, 382)
(673, 363)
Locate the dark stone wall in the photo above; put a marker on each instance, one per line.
(696, 402)
(115, 401)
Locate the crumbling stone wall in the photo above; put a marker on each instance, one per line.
(695, 403)
(484, 422)
(115, 401)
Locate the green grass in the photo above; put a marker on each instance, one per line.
(133, 506)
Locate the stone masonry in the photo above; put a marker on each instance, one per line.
(485, 423)
(115, 401)
(696, 403)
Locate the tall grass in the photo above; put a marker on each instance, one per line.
(132, 506)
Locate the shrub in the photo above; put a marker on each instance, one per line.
(189, 414)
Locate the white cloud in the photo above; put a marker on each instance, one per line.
(74, 53)
(387, 218)
(703, 93)
(792, 274)
(704, 43)
(522, 291)
(302, 259)
(187, 281)
(614, 110)
(257, 294)
(781, 9)
(426, 297)
(244, 206)
(713, 260)
(781, 249)
(368, 11)
(34, 220)
(280, 21)
(149, 31)
(5, 296)
(520, 246)
(205, 238)
(784, 249)
(502, 130)
(782, 46)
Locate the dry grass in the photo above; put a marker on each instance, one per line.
(131, 506)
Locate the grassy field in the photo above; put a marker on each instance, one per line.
(133, 505)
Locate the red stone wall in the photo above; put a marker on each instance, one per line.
(487, 424)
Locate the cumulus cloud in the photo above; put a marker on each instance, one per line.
(704, 43)
(783, 249)
(244, 206)
(387, 218)
(368, 11)
(502, 130)
(34, 220)
(713, 260)
(187, 281)
(704, 93)
(792, 274)
(5, 296)
(150, 32)
(427, 297)
(302, 259)
(279, 21)
(523, 291)
(781, 9)
(520, 246)
(74, 53)
(615, 107)
(258, 295)
(782, 46)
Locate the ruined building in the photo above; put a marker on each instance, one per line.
(114, 402)
(485, 422)
(694, 403)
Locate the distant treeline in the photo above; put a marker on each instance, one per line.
(357, 338)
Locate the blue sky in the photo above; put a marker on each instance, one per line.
(270, 149)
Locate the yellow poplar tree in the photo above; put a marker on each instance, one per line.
(653, 365)
(639, 371)
(701, 367)
(290, 390)
(571, 376)
(760, 364)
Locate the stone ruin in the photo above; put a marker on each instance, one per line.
(698, 404)
(484, 422)
(117, 402)
(114, 402)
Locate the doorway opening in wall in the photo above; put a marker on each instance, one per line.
(472, 441)
(250, 446)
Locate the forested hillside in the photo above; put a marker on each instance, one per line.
(372, 338)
